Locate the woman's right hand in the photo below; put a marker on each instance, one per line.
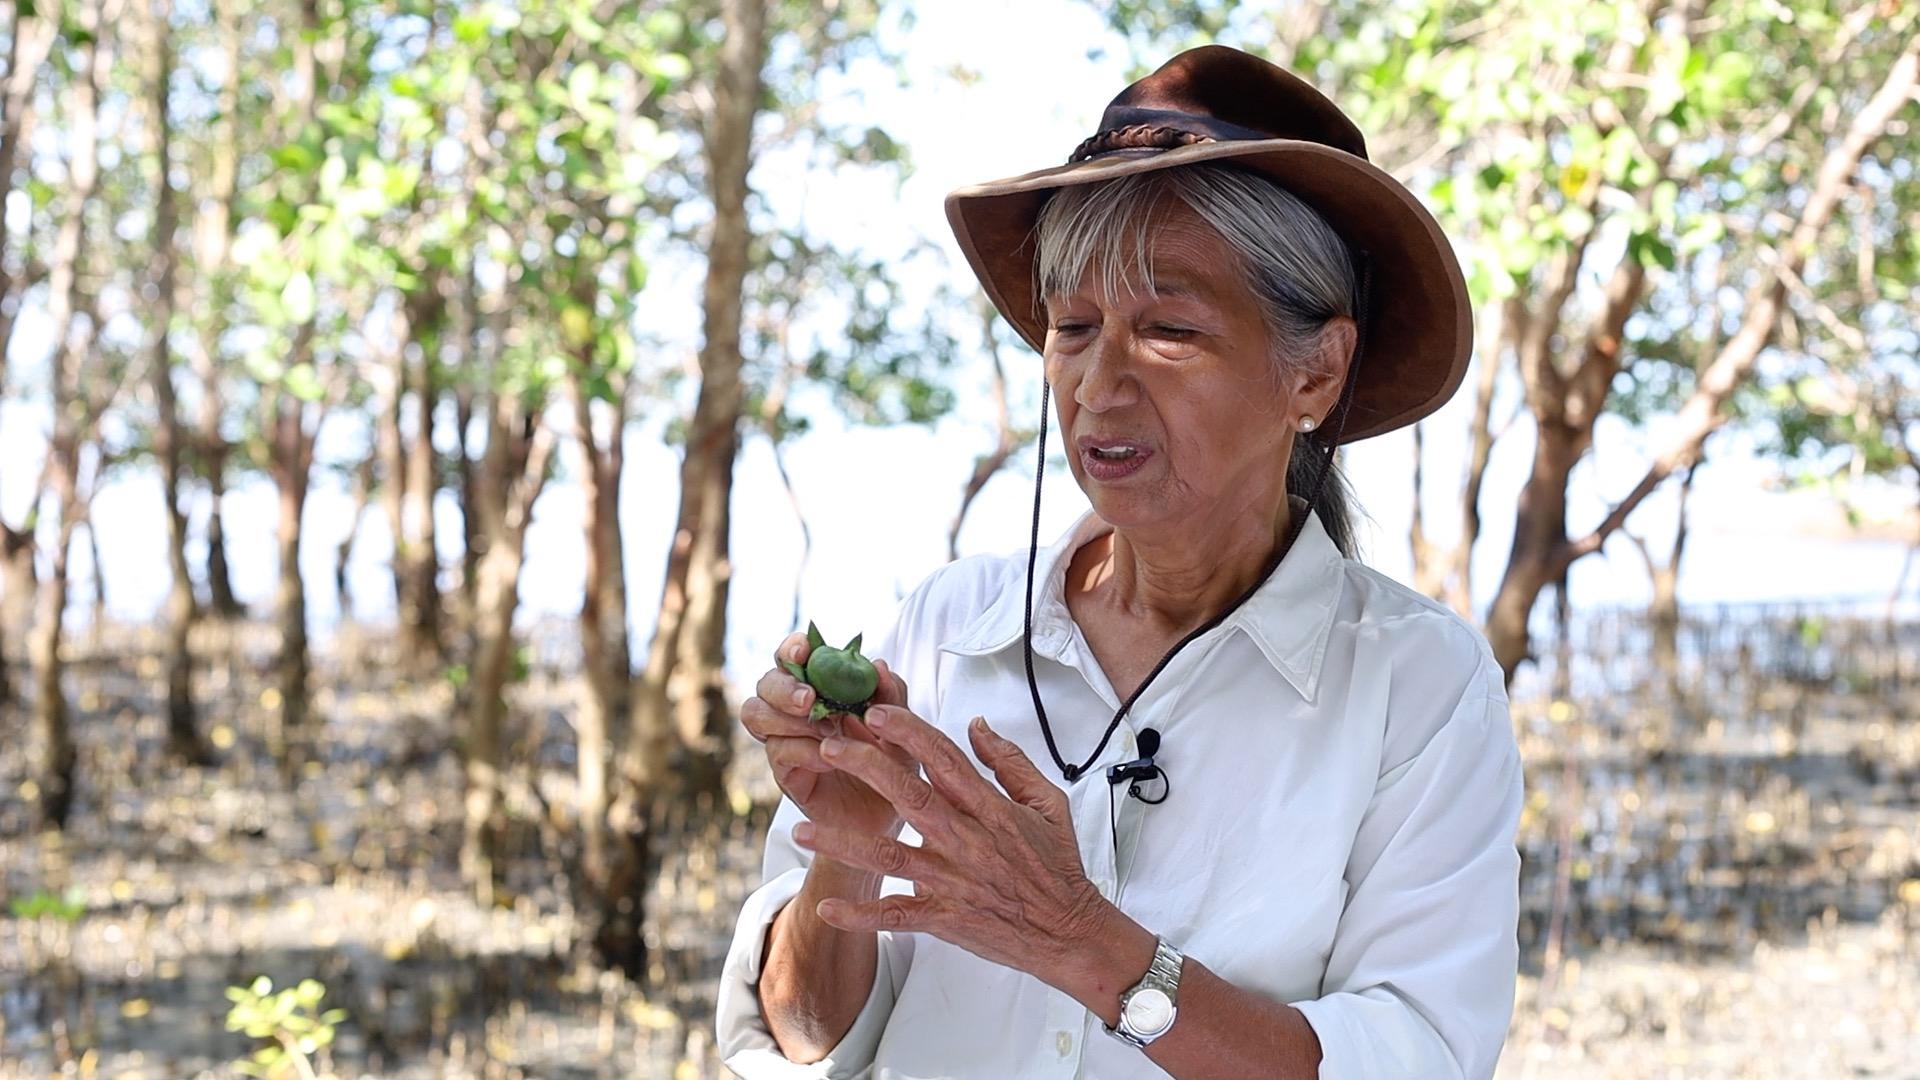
(777, 717)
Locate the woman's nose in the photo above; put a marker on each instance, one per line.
(1105, 382)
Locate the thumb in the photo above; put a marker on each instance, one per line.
(892, 689)
(1024, 782)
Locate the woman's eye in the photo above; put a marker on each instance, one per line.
(1173, 331)
(1068, 328)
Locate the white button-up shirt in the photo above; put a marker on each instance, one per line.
(1339, 834)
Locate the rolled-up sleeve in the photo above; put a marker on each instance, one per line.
(1420, 980)
(746, 1045)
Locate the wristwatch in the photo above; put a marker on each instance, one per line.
(1147, 1008)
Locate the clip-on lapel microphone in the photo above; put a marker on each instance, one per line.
(1142, 770)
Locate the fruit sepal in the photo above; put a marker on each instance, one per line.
(843, 680)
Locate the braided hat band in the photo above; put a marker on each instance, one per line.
(1136, 137)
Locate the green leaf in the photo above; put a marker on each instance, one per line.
(1665, 195)
(1651, 250)
(576, 325)
(303, 382)
(671, 66)
(1702, 234)
(471, 26)
(297, 298)
(586, 28)
(582, 84)
(294, 157)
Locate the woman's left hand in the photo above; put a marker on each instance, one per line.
(996, 875)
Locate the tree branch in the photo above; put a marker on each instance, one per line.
(1702, 414)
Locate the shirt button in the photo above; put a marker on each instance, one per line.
(1064, 1042)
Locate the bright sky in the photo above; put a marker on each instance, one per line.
(1038, 94)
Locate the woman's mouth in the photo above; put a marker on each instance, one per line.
(1112, 461)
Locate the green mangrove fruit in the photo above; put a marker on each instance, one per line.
(842, 679)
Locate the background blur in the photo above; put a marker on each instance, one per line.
(419, 421)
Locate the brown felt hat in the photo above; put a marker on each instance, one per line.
(1214, 103)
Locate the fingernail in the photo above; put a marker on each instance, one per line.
(876, 718)
(800, 696)
(978, 723)
(832, 747)
(803, 832)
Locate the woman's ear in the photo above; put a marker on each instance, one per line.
(1323, 371)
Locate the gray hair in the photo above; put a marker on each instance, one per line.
(1300, 270)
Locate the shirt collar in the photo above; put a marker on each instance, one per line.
(1288, 618)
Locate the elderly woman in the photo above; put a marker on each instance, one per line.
(1190, 791)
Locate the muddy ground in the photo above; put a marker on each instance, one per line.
(1739, 894)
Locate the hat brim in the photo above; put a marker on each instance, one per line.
(1419, 323)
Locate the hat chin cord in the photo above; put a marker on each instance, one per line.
(1324, 447)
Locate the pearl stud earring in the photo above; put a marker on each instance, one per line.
(1307, 423)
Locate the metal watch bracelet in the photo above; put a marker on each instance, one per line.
(1148, 1008)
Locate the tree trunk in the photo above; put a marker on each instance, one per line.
(214, 235)
(393, 480)
(425, 639)
(702, 719)
(53, 768)
(472, 540)
(1664, 612)
(343, 554)
(53, 771)
(1663, 617)
(465, 318)
(1539, 542)
(685, 660)
(183, 737)
(1899, 429)
(291, 450)
(605, 659)
(19, 591)
(28, 43)
(1482, 435)
(222, 602)
(29, 40)
(410, 482)
(1429, 571)
(515, 469)
(292, 666)
(466, 324)
(492, 663)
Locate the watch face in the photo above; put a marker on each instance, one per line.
(1149, 1011)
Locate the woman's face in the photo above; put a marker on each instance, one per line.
(1180, 380)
